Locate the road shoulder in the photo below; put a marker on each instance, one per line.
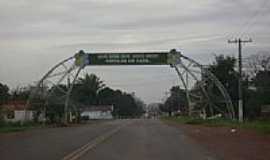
(240, 145)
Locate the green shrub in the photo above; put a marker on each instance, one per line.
(16, 126)
(195, 121)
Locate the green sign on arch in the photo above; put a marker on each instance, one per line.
(135, 58)
(128, 58)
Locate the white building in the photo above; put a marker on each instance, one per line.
(98, 112)
(20, 115)
(16, 111)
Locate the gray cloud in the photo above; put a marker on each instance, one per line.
(35, 34)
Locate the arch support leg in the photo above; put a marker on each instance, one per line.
(66, 109)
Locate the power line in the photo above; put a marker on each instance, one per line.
(246, 25)
(252, 20)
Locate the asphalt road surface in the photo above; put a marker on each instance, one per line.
(114, 140)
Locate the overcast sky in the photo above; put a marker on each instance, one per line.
(36, 34)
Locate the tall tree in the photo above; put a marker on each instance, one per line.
(4, 96)
(125, 105)
(256, 63)
(224, 69)
(21, 93)
(4, 93)
(107, 96)
(176, 101)
(259, 77)
(262, 84)
(87, 88)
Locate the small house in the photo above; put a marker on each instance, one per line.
(15, 111)
(265, 111)
(97, 112)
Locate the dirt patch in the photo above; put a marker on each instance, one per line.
(241, 144)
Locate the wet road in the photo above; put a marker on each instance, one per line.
(114, 140)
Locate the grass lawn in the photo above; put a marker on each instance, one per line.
(259, 125)
(6, 127)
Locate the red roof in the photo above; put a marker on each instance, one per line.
(15, 105)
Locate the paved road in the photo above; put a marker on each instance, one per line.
(51, 143)
(115, 140)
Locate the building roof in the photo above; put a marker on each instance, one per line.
(15, 105)
(103, 108)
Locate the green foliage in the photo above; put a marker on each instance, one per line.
(252, 104)
(90, 90)
(87, 88)
(108, 95)
(4, 95)
(223, 69)
(55, 107)
(55, 113)
(125, 105)
(6, 127)
(262, 83)
(176, 101)
(259, 96)
(20, 93)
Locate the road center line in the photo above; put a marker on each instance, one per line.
(91, 144)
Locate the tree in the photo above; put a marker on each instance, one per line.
(224, 69)
(4, 93)
(176, 101)
(256, 76)
(140, 105)
(90, 90)
(257, 92)
(262, 84)
(87, 88)
(4, 96)
(55, 103)
(125, 105)
(21, 93)
(107, 96)
(256, 63)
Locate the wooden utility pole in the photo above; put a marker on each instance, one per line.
(240, 94)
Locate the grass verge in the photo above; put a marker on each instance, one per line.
(258, 125)
(6, 127)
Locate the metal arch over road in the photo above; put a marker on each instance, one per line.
(205, 94)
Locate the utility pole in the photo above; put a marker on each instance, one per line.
(240, 94)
